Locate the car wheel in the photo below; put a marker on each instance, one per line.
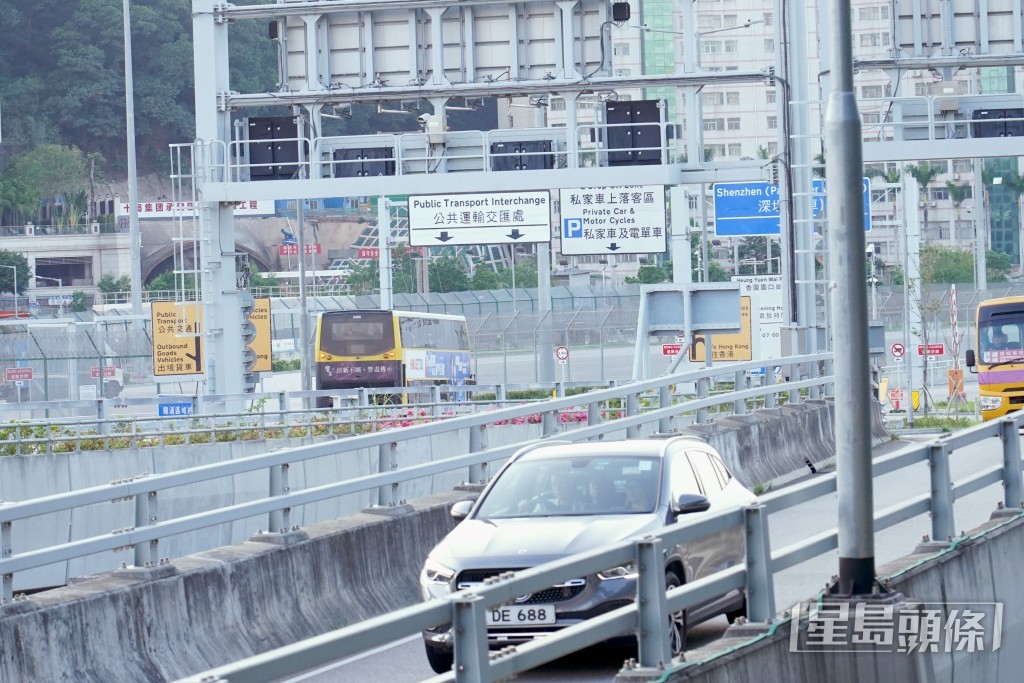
(740, 611)
(440, 660)
(676, 620)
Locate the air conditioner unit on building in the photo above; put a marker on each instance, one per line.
(915, 73)
(956, 176)
(933, 204)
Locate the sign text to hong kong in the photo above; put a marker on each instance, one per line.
(753, 208)
(177, 344)
(483, 218)
(262, 342)
(611, 220)
(729, 346)
(293, 249)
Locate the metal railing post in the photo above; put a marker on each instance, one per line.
(547, 422)
(6, 550)
(739, 407)
(652, 640)
(702, 392)
(471, 663)
(499, 396)
(632, 409)
(101, 417)
(760, 583)
(282, 401)
(435, 400)
(830, 388)
(477, 443)
(279, 519)
(943, 527)
(1013, 488)
(386, 462)
(664, 401)
(145, 515)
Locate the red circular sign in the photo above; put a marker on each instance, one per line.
(898, 350)
(562, 353)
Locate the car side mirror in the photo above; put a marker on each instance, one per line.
(460, 510)
(692, 502)
(969, 358)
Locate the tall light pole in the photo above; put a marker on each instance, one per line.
(133, 183)
(15, 269)
(60, 290)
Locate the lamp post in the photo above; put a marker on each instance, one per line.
(15, 269)
(60, 291)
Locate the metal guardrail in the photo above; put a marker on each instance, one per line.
(647, 615)
(805, 373)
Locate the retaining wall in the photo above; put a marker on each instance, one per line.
(985, 566)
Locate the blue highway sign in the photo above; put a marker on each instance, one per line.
(753, 208)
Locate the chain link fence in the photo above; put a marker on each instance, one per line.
(65, 356)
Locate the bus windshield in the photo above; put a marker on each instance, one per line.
(362, 333)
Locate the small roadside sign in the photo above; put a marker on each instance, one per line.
(562, 354)
(671, 349)
(898, 350)
(177, 408)
(262, 342)
(931, 349)
(108, 371)
(177, 343)
(17, 374)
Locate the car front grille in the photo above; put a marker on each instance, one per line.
(567, 590)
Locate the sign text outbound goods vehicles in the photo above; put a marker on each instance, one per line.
(998, 356)
(373, 348)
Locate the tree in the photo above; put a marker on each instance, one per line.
(447, 274)
(754, 251)
(45, 173)
(716, 273)
(168, 281)
(924, 173)
(13, 262)
(484, 277)
(650, 274)
(108, 284)
(363, 278)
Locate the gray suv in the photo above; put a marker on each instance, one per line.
(556, 499)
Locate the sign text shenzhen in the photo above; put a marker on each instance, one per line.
(753, 208)
(610, 220)
(482, 218)
(177, 344)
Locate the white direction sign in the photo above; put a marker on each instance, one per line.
(628, 219)
(481, 218)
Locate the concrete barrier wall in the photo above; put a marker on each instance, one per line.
(758, 447)
(221, 605)
(984, 567)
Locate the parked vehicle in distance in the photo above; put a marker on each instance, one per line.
(374, 348)
(999, 360)
(553, 500)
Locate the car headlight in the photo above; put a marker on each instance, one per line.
(625, 571)
(436, 574)
(990, 402)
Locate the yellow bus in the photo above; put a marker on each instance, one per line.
(374, 348)
(999, 359)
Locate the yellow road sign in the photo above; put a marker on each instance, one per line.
(261, 343)
(729, 346)
(177, 344)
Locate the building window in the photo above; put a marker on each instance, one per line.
(938, 194)
(871, 117)
(873, 13)
(732, 97)
(557, 104)
(735, 149)
(621, 50)
(730, 21)
(962, 166)
(706, 21)
(622, 72)
(731, 46)
(767, 18)
(714, 124)
(732, 124)
(773, 149)
(712, 99)
(773, 122)
(732, 67)
(769, 45)
(711, 47)
(920, 89)
(716, 151)
(871, 92)
(874, 39)
(769, 96)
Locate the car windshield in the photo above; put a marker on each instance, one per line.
(579, 485)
